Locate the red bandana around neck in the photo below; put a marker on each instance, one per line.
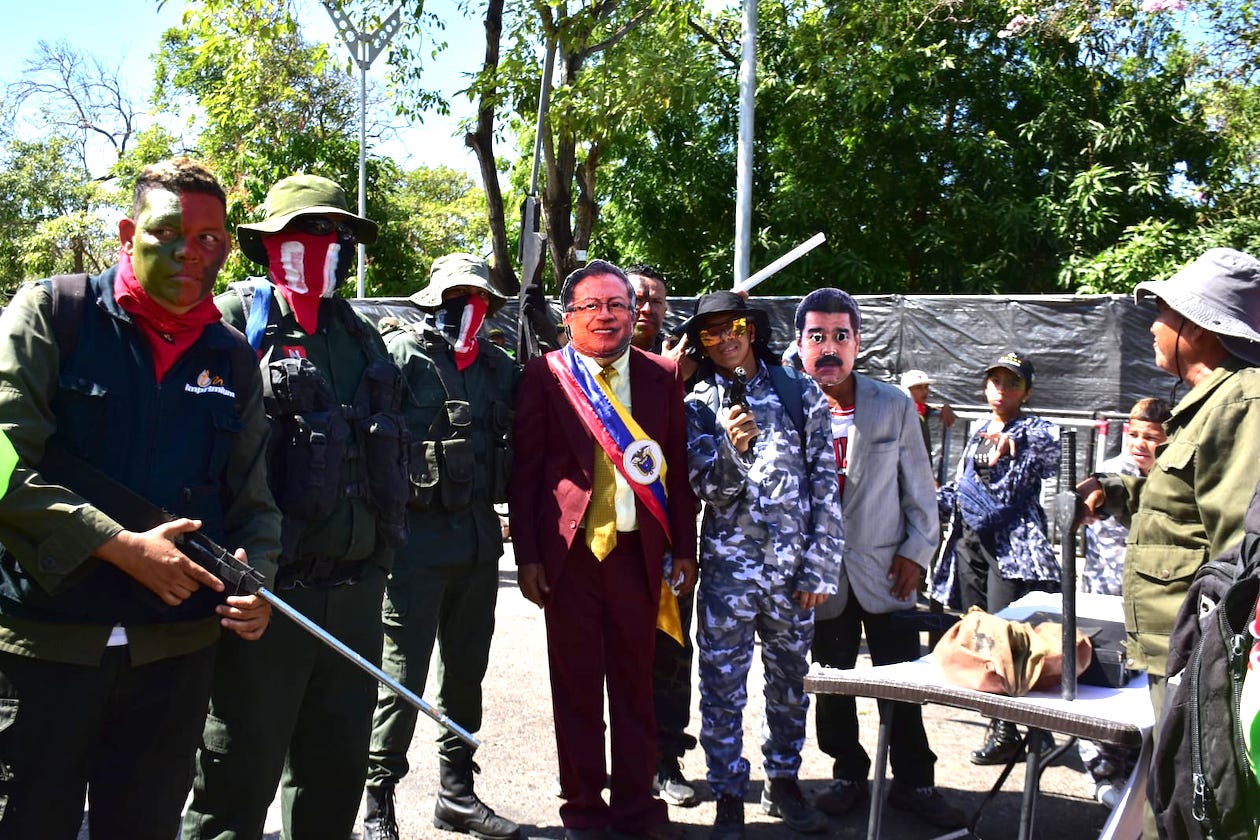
(304, 268)
(168, 335)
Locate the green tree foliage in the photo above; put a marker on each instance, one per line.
(55, 221)
(269, 103)
(937, 149)
(427, 212)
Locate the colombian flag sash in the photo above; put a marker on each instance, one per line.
(636, 456)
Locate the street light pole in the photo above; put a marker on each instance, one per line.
(364, 48)
(744, 147)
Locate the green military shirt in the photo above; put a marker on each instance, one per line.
(349, 533)
(1190, 507)
(41, 520)
(439, 536)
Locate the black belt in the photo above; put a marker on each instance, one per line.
(319, 573)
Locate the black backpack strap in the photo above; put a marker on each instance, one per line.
(787, 384)
(69, 296)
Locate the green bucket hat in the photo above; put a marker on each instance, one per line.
(300, 195)
(455, 270)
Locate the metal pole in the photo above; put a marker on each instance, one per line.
(787, 259)
(1066, 518)
(364, 48)
(363, 68)
(744, 156)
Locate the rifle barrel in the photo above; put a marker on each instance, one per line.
(375, 672)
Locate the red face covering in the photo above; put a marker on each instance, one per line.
(304, 267)
(167, 334)
(458, 319)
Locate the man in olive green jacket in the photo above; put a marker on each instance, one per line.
(1190, 507)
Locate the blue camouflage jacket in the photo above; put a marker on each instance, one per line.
(772, 514)
(1011, 515)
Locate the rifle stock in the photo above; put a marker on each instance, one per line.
(135, 512)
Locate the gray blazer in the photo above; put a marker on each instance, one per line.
(889, 503)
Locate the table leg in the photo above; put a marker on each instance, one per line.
(1032, 783)
(881, 766)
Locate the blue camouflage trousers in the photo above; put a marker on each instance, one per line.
(729, 612)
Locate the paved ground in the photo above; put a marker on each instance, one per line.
(518, 758)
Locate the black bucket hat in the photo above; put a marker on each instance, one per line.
(300, 195)
(724, 303)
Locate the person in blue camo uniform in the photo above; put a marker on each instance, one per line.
(997, 550)
(771, 541)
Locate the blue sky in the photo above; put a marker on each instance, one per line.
(126, 33)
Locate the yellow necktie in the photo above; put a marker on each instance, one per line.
(601, 515)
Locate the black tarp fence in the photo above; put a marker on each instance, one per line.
(1092, 354)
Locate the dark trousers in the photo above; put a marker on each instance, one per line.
(889, 640)
(980, 582)
(601, 628)
(671, 685)
(125, 734)
(288, 711)
(454, 607)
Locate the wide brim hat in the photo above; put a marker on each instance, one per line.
(724, 303)
(1219, 291)
(455, 270)
(301, 195)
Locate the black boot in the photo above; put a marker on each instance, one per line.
(1002, 746)
(459, 809)
(378, 818)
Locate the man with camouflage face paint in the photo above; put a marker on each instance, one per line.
(107, 635)
(762, 462)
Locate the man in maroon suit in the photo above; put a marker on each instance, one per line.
(599, 492)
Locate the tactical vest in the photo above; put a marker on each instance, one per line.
(324, 451)
(443, 466)
(168, 443)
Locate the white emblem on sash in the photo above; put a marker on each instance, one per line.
(642, 461)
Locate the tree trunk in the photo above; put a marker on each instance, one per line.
(587, 209)
(481, 141)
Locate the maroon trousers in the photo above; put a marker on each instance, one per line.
(601, 625)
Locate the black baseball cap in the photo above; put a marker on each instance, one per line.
(1016, 364)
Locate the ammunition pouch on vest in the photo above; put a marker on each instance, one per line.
(443, 471)
(386, 444)
(325, 451)
(311, 442)
(443, 468)
(501, 468)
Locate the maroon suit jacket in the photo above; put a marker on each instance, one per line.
(554, 463)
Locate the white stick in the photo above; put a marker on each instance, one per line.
(785, 260)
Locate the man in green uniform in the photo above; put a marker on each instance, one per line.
(107, 635)
(291, 711)
(446, 580)
(1189, 507)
